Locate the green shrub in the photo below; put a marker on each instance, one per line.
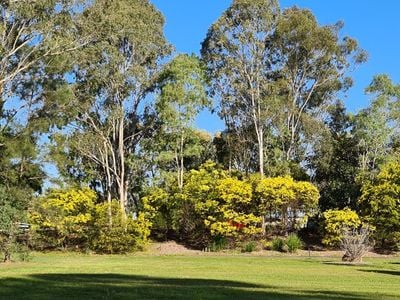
(277, 244)
(293, 243)
(219, 243)
(11, 213)
(249, 247)
(24, 253)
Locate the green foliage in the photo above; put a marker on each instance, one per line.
(62, 217)
(277, 244)
(256, 85)
(121, 234)
(249, 247)
(336, 161)
(335, 221)
(13, 204)
(210, 205)
(238, 65)
(380, 204)
(289, 244)
(218, 243)
(213, 204)
(109, 116)
(183, 96)
(293, 243)
(100, 69)
(376, 126)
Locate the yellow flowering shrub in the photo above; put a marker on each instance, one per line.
(122, 233)
(281, 195)
(61, 218)
(335, 220)
(219, 205)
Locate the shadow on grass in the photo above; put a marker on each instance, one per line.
(116, 286)
(387, 272)
(346, 264)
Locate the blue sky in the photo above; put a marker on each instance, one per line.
(375, 24)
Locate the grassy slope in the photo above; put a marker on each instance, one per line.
(73, 276)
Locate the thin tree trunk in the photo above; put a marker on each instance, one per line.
(122, 188)
(109, 185)
(263, 225)
(181, 163)
(261, 151)
(109, 209)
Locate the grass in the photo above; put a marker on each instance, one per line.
(78, 276)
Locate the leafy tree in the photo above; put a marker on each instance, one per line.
(261, 60)
(274, 196)
(236, 150)
(33, 37)
(211, 206)
(13, 205)
(376, 126)
(380, 204)
(239, 62)
(114, 77)
(20, 177)
(199, 194)
(312, 62)
(33, 31)
(182, 97)
(335, 161)
(165, 221)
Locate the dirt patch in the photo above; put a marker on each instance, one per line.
(171, 248)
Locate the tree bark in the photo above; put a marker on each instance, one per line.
(121, 154)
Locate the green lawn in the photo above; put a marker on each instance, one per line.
(74, 276)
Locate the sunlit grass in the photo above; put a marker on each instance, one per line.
(78, 276)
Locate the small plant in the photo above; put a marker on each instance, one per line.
(277, 244)
(355, 243)
(219, 243)
(293, 243)
(24, 254)
(267, 245)
(249, 247)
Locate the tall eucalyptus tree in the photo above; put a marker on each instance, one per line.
(240, 63)
(112, 80)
